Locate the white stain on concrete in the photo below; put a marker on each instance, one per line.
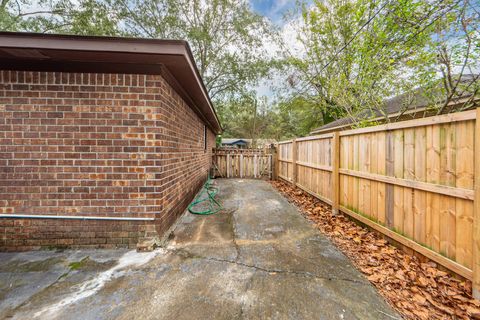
(90, 287)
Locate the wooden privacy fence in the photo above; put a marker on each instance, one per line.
(412, 181)
(243, 163)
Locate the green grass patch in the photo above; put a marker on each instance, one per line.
(77, 264)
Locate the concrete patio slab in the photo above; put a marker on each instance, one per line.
(258, 259)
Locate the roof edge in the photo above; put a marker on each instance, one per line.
(391, 115)
(67, 42)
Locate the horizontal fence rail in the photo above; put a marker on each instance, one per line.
(412, 181)
(243, 163)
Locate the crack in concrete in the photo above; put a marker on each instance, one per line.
(300, 273)
(188, 255)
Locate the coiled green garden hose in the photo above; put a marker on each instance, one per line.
(207, 194)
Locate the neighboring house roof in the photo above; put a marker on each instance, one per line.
(232, 142)
(407, 104)
(172, 59)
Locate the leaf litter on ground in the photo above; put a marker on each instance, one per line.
(417, 290)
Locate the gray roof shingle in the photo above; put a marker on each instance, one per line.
(410, 102)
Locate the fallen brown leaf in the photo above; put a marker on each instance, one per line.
(416, 290)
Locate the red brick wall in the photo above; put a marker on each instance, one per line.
(95, 145)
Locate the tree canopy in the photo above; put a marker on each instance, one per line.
(226, 36)
(358, 53)
(353, 54)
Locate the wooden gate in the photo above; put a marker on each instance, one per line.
(243, 163)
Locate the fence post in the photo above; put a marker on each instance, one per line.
(275, 163)
(476, 212)
(294, 161)
(335, 173)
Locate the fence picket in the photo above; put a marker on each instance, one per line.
(244, 163)
(413, 181)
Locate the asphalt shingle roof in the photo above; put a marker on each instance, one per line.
(405, 102)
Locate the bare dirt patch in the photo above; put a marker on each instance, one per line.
(416, 290)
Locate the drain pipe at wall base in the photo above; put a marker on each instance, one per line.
(43, 216)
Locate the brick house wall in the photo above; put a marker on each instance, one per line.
(78, 144)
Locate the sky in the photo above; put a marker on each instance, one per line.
(273, 9)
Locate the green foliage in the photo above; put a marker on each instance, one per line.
(218, 140)
(457, 45)
(243, 116)
(252, 118)
(89, 17)
(358, 53)
(226, 37)
(352, 71)
(13, 17)
(298, 116)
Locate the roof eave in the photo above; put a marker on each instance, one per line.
(15, 40)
